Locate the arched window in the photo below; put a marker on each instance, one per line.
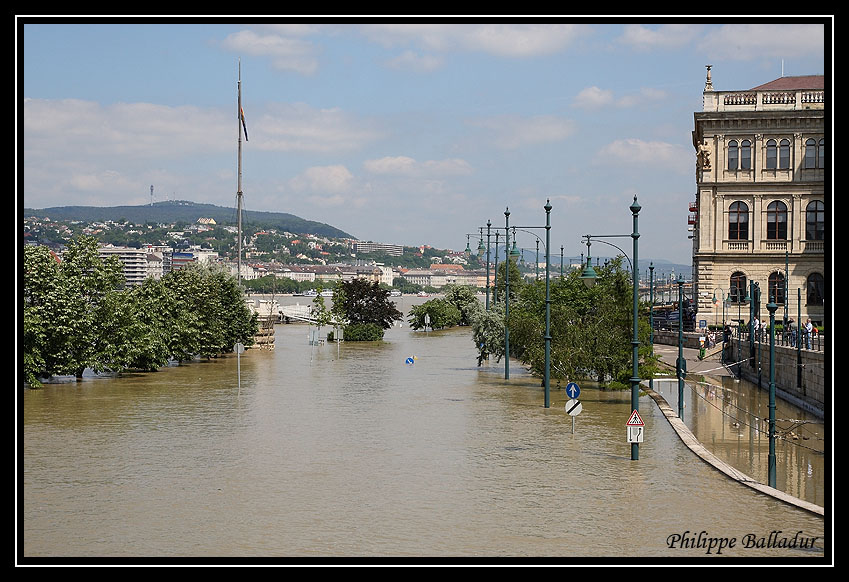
(737, 288)
(784, 154)
(776, 288)
(776, 221)
(816, 289)
(738, 221)
(771, 154)
(811, 153)
(815, 221)
(732, 155)
(746, 155)
(822, 153)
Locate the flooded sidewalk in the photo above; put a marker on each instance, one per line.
(725, 422)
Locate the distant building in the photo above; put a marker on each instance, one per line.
(358, 247)
(760, 205)
(134, 262)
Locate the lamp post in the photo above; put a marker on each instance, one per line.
(507, 297)
(651, 316)
(771, 462)
(488, 225)
(547, 338)
(589, 275)
(681, 364)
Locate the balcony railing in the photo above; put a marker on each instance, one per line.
(763, 100)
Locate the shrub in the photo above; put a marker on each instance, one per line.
(362, 332)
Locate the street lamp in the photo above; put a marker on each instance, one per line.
(547, 337)
(488, 225)
(589, 276)
(771, 459)
(513, 254)
(651, 316)
(681, 364)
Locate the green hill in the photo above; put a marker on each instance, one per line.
(182, 210)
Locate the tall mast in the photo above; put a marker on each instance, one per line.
(239, 191)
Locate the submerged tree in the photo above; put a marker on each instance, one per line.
(366, 308)
(591, 328)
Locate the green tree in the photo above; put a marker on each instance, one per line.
(41, 270)
(365, 302)
(438, 313)
(79, 306)
(320, 313)
(488, 333)
(590, 328)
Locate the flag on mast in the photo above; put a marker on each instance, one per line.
(244, 127)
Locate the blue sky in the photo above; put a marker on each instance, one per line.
(399, 131)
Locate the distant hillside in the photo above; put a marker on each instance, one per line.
(183, 210)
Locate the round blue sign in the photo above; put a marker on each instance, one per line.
(572, 390)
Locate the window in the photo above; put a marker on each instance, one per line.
(776, 221)
(732, 155)
(738, 221)
(822, 153)
(784, 154)
(815, 221)
(771, 154)
(746, 155)
(737, 290)
(776, 288)
(816, 288)
(811, 153)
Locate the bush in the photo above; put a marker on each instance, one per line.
(362, 332)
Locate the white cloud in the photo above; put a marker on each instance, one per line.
(79, 130)
(324, 179)
(512, 132)
(406, 166)
(301, 128)
(411, 61)
(509, 40)
(286, 54)
(667, 36)
(654, 153)
(751, 41)
(595, 98)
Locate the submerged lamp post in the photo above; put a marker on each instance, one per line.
(771, 459)
(681, 364)
(547, 337)
(589, 276)
(512, 254)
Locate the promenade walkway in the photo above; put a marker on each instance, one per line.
(711, 366)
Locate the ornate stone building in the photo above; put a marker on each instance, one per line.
(760, 207)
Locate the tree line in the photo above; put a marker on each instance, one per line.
(78, 314)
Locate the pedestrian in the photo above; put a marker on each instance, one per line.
(756, 329)
(808, 331)
(791, 331)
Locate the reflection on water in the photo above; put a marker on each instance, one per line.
(731, 418)
(349, 451)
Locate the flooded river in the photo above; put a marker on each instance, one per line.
(348, 451)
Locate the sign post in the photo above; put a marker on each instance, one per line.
(573, 406)
(239, 348)
(635, 427)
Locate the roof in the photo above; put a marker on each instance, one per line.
(792, 83)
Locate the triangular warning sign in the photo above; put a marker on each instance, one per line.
(635, 419)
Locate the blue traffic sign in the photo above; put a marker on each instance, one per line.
(572, 390)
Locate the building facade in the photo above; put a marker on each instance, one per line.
(760, 207)
(134, 262)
